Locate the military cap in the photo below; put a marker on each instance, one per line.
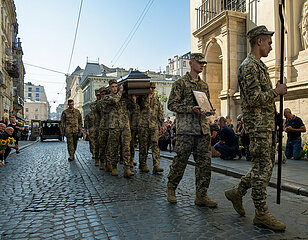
(257, 31)
(103, 89)
(199, 57)
(97, 92)
(152, 85)
(112, 81)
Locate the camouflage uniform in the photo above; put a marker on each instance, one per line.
(193, 134)
(151, 119)
(258, 106)
(119, 129)
(97, 118)
(71, 126)
(134, 115)
(89, 125)
(103, 132)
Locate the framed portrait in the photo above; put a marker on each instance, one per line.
(203, 101)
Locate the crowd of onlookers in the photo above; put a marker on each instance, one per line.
(10, 133)
(167, 135)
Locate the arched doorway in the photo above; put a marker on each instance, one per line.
(214, 74)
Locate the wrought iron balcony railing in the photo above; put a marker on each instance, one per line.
(211, 8)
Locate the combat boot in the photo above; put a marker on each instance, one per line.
(96, 162)
(128, 172)
(114, 172)
(266, 219)
(108, 168)
(144, 169)
(157, 169)
(101, 166)
(171, 197)
(234, 196)
(205, 201)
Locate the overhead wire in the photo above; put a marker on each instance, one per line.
(132, 32)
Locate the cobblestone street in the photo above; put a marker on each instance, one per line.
(43, 196)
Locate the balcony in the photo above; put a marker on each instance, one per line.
(211, 8)
(12, 69)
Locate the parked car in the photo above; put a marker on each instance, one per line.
(50, 129)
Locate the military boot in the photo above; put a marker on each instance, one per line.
(114, 172)
(157, 169)
(205, 201)
(144, 168)
(234, 196)
(128, 172)
(96, 162)
(102, 166)
(171, 197)
(108, 168)
(266, 219)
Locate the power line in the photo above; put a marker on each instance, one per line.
(69, 65)
(132, 32)
(47, 69)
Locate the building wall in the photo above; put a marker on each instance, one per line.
(36, 111)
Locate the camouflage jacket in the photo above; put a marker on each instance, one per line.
(133, 114)
(89, 122)
(71, 121)
(182, 100)
(151, 112)
(103, 110)
(118, 113)
(257, 95)
(97, 116)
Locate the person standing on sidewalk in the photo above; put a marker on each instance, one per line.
(294, 126)
(71, 127)
(193, 133)
(259, 113)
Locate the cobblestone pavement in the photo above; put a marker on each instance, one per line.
(43, 196)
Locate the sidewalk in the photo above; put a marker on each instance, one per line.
(294, 172)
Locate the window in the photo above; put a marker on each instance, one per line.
(29, 94)
(36, 110)
(37, 89)
(36, 117)
(184, 64)
(37, 95)
(37, 99)
(30, 89)
(27, 109)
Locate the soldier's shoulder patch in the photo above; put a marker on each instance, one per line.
(107, 97)
(248, 75)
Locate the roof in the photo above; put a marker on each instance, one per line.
(135, 75)
(91, 69)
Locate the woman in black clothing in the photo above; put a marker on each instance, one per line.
(16, 132)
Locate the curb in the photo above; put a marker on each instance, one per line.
(285, 186)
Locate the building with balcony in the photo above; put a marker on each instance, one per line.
(179, 65)
(218, 30)
(35, 110)
(11, 65)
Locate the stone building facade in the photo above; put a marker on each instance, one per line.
(218, 29)
(35, 111)
(179, 65)
(11, 65)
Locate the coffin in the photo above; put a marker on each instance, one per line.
(135, 82)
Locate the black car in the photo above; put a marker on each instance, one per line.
(50, 129)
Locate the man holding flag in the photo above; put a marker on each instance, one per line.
(259, 113)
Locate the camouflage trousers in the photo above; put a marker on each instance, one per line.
(200, 146)
(133, 142)
(71, 139)
(92, 142)
(148, 137)
(262, 150)
(103, 139)
(96, 144)
(118, 139)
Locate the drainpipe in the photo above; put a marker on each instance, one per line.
(228, 57)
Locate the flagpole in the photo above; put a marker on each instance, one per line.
(280, 122)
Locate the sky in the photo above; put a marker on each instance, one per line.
(47, 29)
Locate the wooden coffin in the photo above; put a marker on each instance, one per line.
(135, 83)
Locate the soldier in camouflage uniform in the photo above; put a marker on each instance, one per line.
(97, 121)
(71, 127)
(134, 114)
(193, 133)
(258, 106)
(151, 119)
(89, 125)
(103, 132)
(119, 130)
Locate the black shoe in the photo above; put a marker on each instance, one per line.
(69, 159)
(17, 151)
